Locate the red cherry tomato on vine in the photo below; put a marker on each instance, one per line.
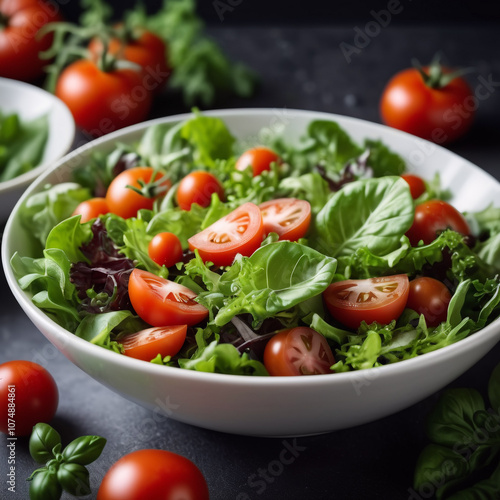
(373, 299)
(103, 101)
(429, 297)
(259, 158)
(298, 351)
(241, 231)
(416, 183)
(143, 48)
(162, 302)
(147, 344)
(436, 109)
(289, 218)
(198, 187)
(165, 249)
(153, 475)
(90, 209)
(20, 46)
(433, 217)
(126, 202)
(28, 395)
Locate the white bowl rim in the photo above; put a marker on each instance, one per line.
(69, 125)
(414, 364)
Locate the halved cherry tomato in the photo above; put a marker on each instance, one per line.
(161, 302)
(90, 209)
(298, 351)
(124, 201)
(373, 299)
(289, 218)
(153, 475)
(429, 297)
(241, 231)
(165, 249)
(416, 183)
(147, 344)
(198, 187)
(432, 218)
(259, 158)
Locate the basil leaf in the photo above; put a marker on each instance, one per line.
(451, 422)
(74, 478)
(372, 213)
(487, 489)
(45, 486)
(43, 440)
(84, 450)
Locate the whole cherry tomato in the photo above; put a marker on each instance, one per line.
(20, 46)
(103, 101)
(90, 209)
(429, 297)
(28, 395)
(165, 249)
(198, 187)
(416, 184)
(258, 158)
(431, 103)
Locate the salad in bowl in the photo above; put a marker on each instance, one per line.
(311, 250)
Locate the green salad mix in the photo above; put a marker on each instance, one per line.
(361, 212)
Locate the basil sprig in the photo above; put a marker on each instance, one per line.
(64, 469)
(463, 459)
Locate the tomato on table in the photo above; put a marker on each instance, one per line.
(33, 393)
(259, 158)
(147, 344)
(239, 232)
(432, 103)
(141, 47)
(103, 100)
(126, 202)
(91, 209)
(20, 46)
(289, 218)
(374, 299)
(416, 184)
(161, 302)
(298, 351)
(430, 297)
(165, 249)
(153, 474)
(432, 218)
(198, 187)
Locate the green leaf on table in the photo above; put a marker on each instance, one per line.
(84, 450)
(44, 485)
(74, 478)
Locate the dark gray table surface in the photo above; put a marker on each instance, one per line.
(300, 68)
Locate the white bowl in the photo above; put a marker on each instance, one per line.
(30, 102)
(275, 406)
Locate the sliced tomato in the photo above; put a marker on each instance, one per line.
(147, 344)
(289, 218)
(374, 299)
(241, 231)
(161, 302)
(298, 351)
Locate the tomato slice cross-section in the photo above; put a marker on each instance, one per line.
(289, 218)
(380, 299)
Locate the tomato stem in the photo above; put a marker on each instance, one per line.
(434, 76)
(152, 189)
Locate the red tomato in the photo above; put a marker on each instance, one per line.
(416, 183)
(103, 101)
(259, 158)
(440, 114)
(287, 217)
(241, 231)
(433, 217)
(429, 297)
(126, 202)
(90, 209)
(147, 344)
(374, 299)
(165, 249)
(28, 395)
(162, 302)
(145, 49)
(298, 351)
(153, 475)
(198, 187)
(20, 21)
